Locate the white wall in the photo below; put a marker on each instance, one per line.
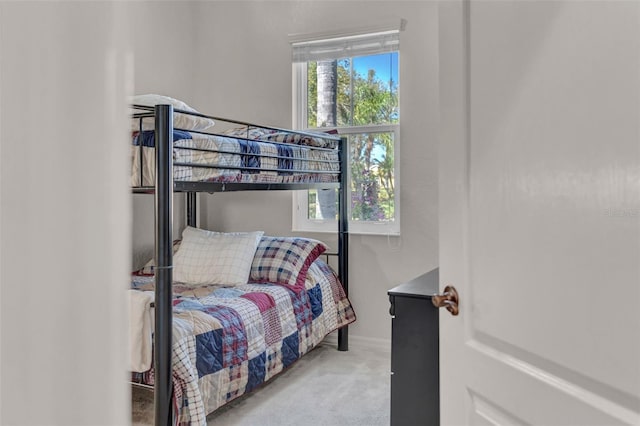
(244, 71)
(163, 36)
(65, 222)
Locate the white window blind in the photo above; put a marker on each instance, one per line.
(346, 46)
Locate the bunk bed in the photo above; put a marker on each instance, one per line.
(174, 150)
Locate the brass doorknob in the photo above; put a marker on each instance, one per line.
(448, 299)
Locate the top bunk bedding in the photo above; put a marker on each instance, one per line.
(233, 152)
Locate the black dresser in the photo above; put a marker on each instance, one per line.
(415, 379)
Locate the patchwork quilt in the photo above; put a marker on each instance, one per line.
(228, 341)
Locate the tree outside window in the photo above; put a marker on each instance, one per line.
(359, 97)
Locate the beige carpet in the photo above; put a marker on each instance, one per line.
(325, 387)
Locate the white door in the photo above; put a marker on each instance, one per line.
(540, 212)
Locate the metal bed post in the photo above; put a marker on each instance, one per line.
(343, 236)
(192, 212)
(164, 265)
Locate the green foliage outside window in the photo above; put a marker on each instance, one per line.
(361, 100)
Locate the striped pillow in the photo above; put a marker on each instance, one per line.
(284, 260)
(298, 139)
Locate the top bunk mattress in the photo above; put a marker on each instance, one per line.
(239, 155)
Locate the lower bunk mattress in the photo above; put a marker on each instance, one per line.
(228, 341)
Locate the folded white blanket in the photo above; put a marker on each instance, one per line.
(140, 329)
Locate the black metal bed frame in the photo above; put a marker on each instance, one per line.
(163, 190)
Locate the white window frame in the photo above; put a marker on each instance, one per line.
(301, 221)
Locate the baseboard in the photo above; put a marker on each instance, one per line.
(361, 342)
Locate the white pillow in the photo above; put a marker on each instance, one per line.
(207, 257)
(180, 121)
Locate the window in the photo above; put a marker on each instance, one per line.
(351, 84)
